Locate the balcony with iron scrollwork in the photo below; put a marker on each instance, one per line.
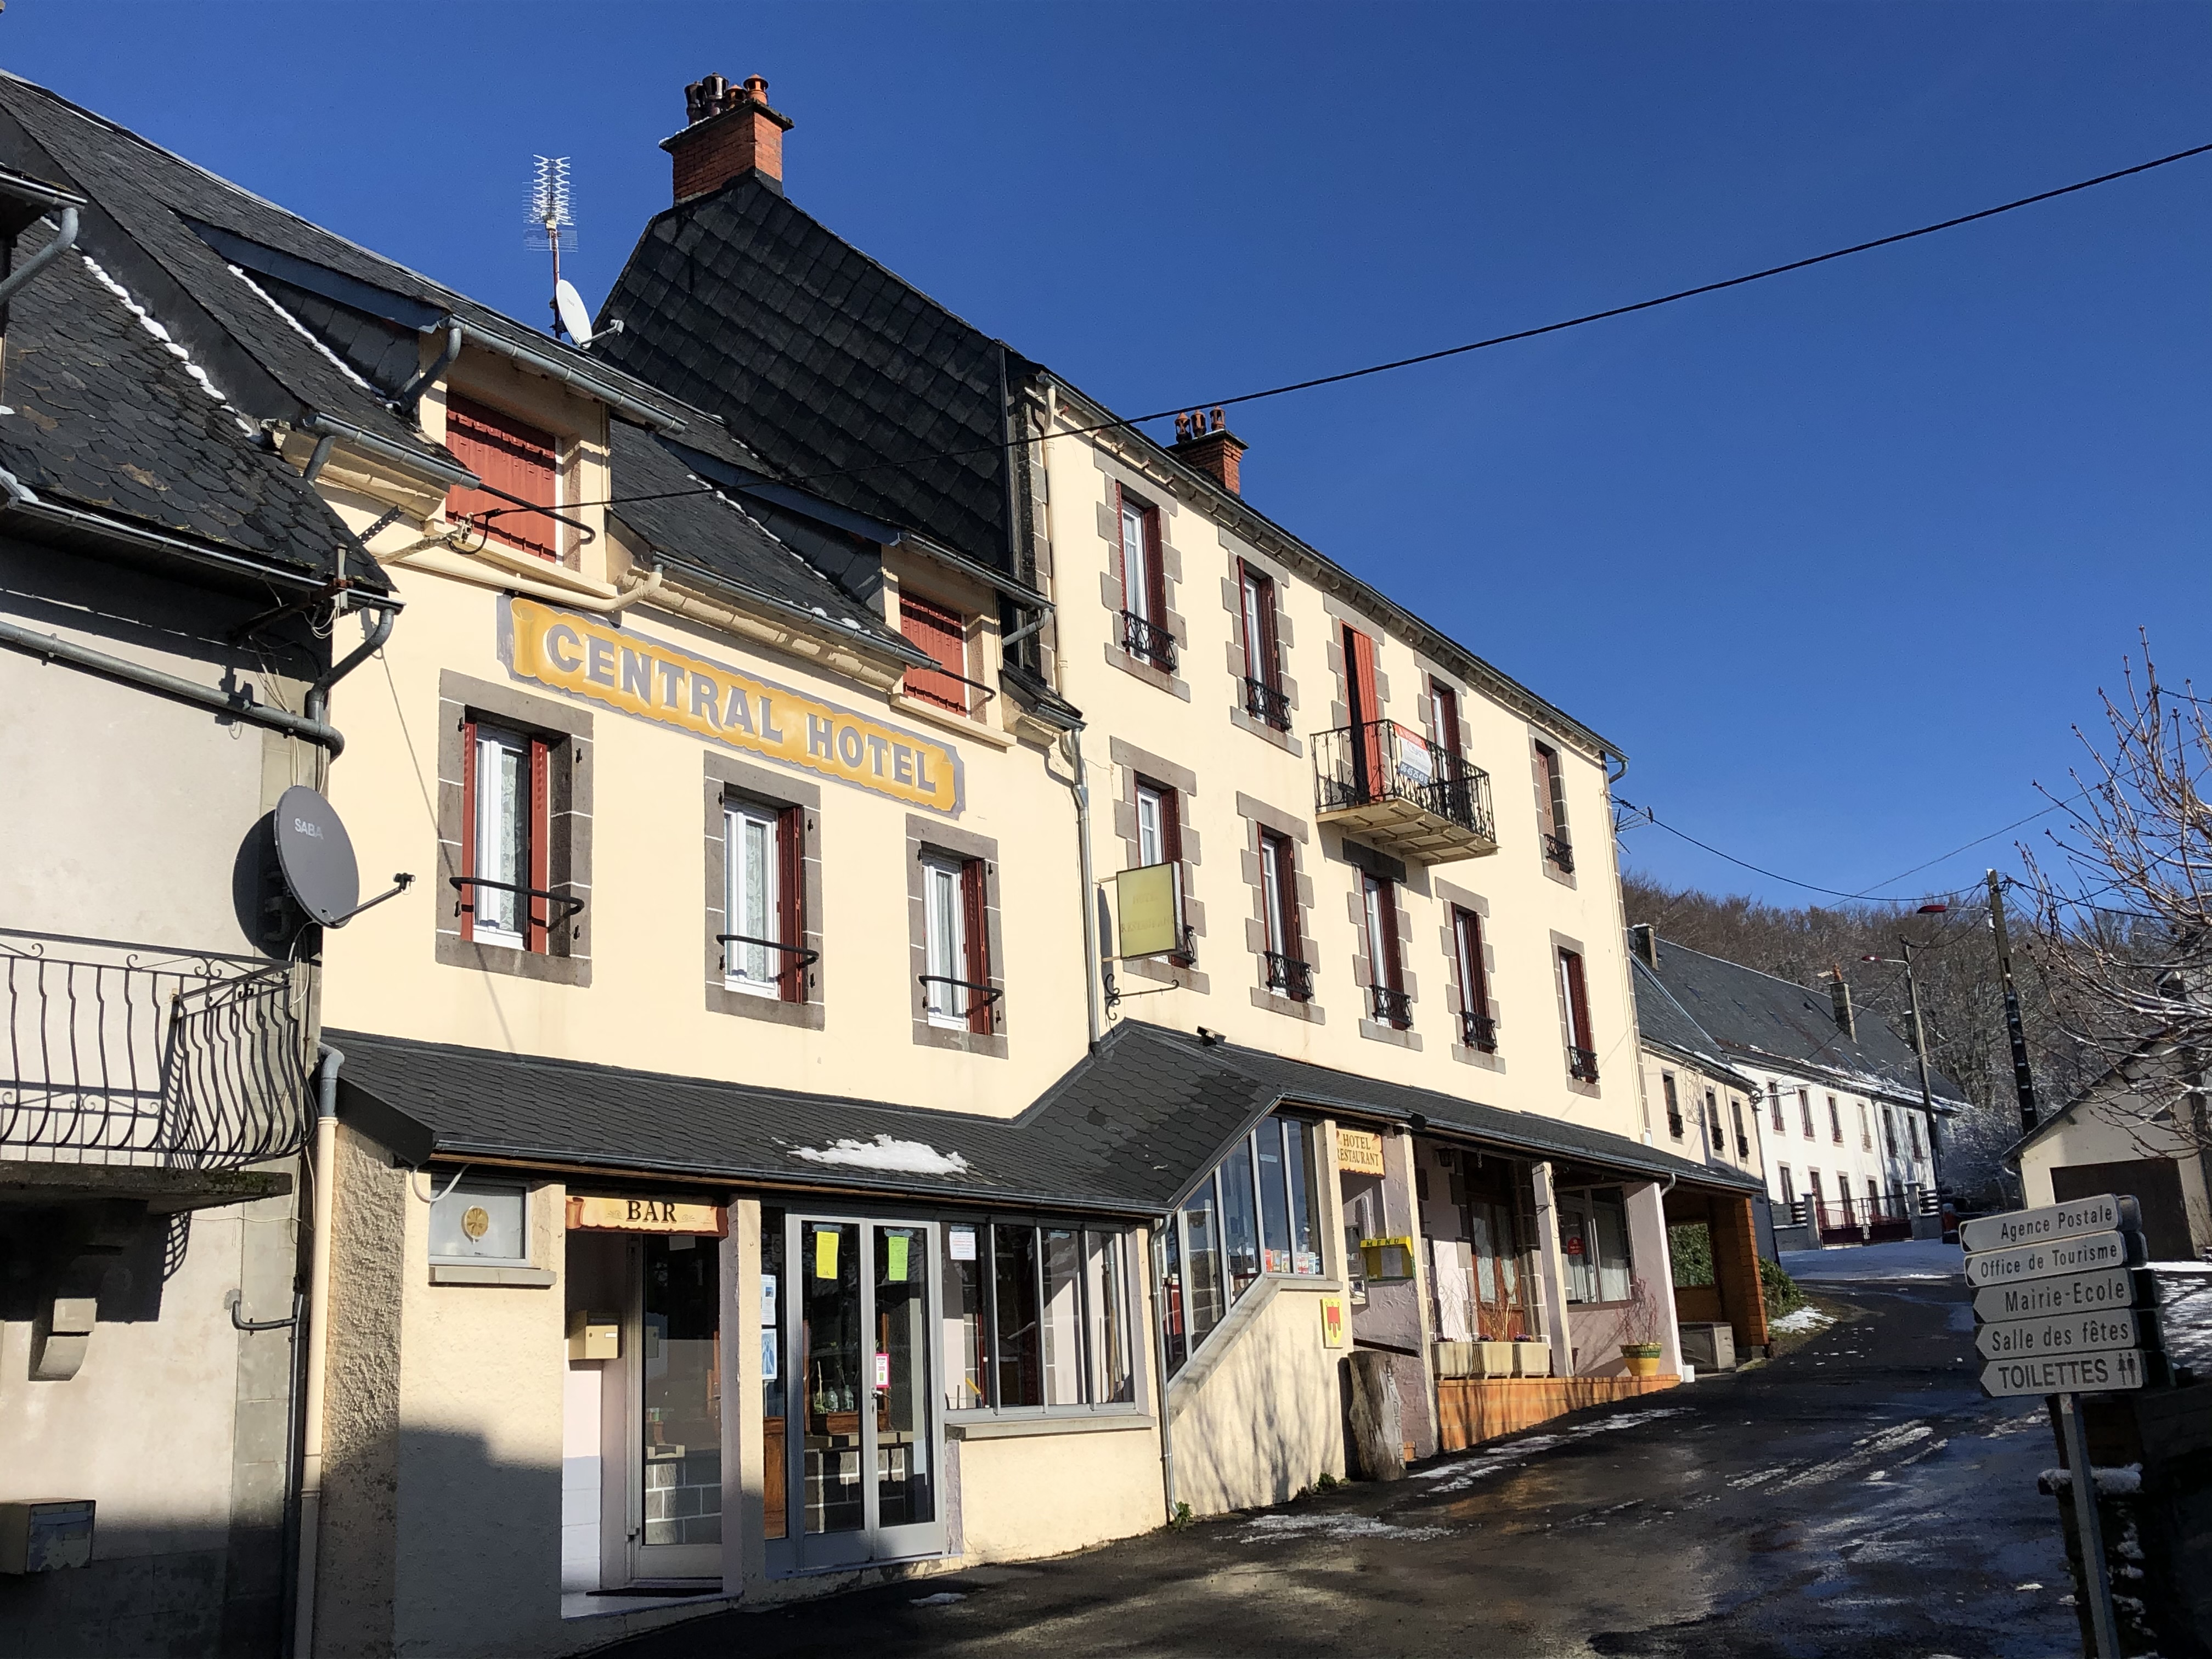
(1264, 703)
(1392, 1008)
(1290, 977)
(1560, 852)
(142, 1055)
(1581, 1064)
(1478, 1032)
(1148, 642)
(1398, 792)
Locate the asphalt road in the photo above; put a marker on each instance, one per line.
(1855, 1496)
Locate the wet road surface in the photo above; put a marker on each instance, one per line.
(1855, 1495)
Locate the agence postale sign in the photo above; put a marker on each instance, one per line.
(623, 669)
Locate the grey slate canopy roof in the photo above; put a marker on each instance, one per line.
(1663, 1021)
(1126, 1131)
(106, 417)
(743, 303)
(1759, 1020)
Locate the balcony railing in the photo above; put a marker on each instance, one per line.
(1478, 1032)
(135, 1054)
(1581, 1064)
(1287, 975)
(1148, 641)
(1866, 1220)
(1391, 1007)
(1559, 852)
(1403, 794)
(1264, 703)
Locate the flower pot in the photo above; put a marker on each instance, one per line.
(1641, 1357)
(1495, 1358)
(1532, 1358)
(1457, 1358)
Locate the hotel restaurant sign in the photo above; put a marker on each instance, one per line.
(620, 669)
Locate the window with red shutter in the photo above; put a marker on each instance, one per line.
(510, 456)
(943, 635)
(980, 1003)
(506, 845)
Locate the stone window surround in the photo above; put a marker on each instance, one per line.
(727, 778)
(567, 960)
(1540, 738)
(1131, 762)
(1365, 861)
(935, 835)
(1232, 599)
(1447, 896)
(1340, 617)
(1258, 815)
(1120, 480)
(1574, 1085)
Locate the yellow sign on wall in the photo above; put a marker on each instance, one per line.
(1148, 911)
(1359, 1152)
(1332, 1322)
(647, 1215)
(623, 669)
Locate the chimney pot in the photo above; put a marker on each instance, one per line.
(728, 132)
(1643, 939)
(1208, 445)
(1839, 997)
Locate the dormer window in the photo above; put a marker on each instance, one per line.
(520, 465)
(942, 633)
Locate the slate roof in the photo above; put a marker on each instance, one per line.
(107, 417)
(1759, 1020)
(1128, 1131)
(1662, 1020)
(743, 303)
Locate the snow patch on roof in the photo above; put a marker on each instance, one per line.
(167, 343)
(899, 1157)
(306, 334)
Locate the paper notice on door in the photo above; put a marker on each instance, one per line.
(826, 1253)
(768, 1371)
(768, 1300)
(895, 1258)
(883, 1368)
(963, 1243)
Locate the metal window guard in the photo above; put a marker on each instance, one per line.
(1478, 1032)
(462, 884)
(476, 519)
(1380, 761)
(806, 958)
(1559, 852)
(988, 691)
(1148, 640)
(1581, 1064)
(1265, 703)
(1292, 977)
(990, 993)
(1394, 1007)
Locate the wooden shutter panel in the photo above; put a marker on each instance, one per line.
(509, 455)
(1156, 570)
(791, 900)
(1578, 1000)
(1270, 644)
(943, 635)
(978, 969)
(539, 910)
(468, 859)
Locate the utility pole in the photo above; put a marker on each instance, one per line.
(1920, 1054)
(2023, 1080)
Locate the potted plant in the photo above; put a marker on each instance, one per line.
(1640, 1324)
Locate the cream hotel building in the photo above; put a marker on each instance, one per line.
(965, 989)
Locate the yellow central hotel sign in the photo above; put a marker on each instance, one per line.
(623, 669)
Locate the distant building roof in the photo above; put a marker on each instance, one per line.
(1664, 1022)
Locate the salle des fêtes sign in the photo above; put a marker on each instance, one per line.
(626, 671)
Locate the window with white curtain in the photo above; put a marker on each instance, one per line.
(753, 899)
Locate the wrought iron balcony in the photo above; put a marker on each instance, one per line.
(1148, 641)
(1581, 1064)
(138, 1055)
(1263, 702)
(1559, 852)
(1287, 975)
(1478, 1032)
(1401, 793)
(1391, 1007)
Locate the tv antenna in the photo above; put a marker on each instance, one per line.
(553, 230)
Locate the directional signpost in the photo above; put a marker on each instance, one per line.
(2061, 1310)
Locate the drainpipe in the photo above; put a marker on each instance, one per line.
(23, 277)
(319, 1348)
(373, 636)
(1079, 786)
(1160, 1225)
(410, 396)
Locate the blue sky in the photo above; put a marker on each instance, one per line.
(1838, 559)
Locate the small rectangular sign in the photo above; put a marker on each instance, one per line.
(2077, 1293)
(2072, 1333)
(2080, 1373)
(2089, 1253)
(1359, 1152)
(962, 1243)
(2079, 1215)
(1148, 911)
(647, 1215)
(1332, 1322)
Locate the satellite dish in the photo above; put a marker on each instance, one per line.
(569, 305)
(316, 855)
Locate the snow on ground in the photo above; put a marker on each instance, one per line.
(1802, 1322)
(1466, 1471)
(1908, 1258)
(1266, 1528)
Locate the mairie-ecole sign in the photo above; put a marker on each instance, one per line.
(623, 669)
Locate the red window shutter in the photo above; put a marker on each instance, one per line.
(509, 455)
(541, 851)
(979, 1010)
(943, 635)
(1155, 572)
(1271, 649)
(1476, 989)
(1446, 702)
(1578, 1000)
(790, 979)
(468, 904)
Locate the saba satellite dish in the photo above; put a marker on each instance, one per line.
(315, 856)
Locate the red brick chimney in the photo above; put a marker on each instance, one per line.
(1203, 442)
(731, 131)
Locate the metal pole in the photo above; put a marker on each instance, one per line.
(1920, 1054)
(2023, 1080)
(2094, 1578)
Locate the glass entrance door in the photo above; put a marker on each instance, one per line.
(676, 1524)
(857, 1407)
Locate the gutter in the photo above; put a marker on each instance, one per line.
(318, 1352)
(622, 402)
(19, 497)
(447, 475)
(1159, 1289)
(1078, 785)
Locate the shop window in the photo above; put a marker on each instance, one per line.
(1255, 1214)
(943, 635)
(1036, 1318)
(1673, 1104)
(1501, 1313)
(956, 947)
(1593, 1237)
(506, 883)
(520, 465)
(761, 850)
(480, 1223)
